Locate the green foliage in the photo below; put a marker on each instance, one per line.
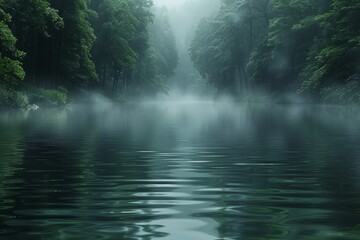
(37, 13)
(160, 60)
(307, 46)
(348, 93)
(77, 40)
(223, 43)
(163, 40)
(74, 43)
(12, 98)
(31, 23)
(33, 95)
(336, 60)
(204, 52)
(147, 80)
(11, 71)
(115, 28)
(262, 67)
(156, 48)
(48, 97)
(134, 52)
(141, 10)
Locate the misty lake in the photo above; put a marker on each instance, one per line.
(191, 170)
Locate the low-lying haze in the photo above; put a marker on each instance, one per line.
(169, 3)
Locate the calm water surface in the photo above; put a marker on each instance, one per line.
(180, 171)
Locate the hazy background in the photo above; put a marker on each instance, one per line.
(184, 16)
(170, 3)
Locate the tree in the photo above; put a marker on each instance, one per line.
(76, 39)
(33, 21)
(11, 70)
(28, 19)
(336, 58)
(163, 43)
(309, 45)
(223, 43)
(115, 27)
(294, 26)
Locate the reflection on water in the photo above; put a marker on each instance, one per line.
(180, 171)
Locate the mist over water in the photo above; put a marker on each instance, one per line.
(180, 169)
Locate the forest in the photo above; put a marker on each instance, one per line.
(179, 119)
(50, 50)
(309, 48)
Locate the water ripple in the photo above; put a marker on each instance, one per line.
(163, 171)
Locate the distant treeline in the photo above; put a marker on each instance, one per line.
(309, 47)
(122, 46)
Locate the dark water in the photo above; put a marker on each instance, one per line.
(189, 171)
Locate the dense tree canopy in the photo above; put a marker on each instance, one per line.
(310, 47)
(224, 42)
(115, 28)
(162, 56)
(153, 43)
(127, 47)
(11, 70)
(106, 45)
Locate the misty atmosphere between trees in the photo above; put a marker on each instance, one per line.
(180, 119)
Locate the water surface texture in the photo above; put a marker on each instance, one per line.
(180, 171)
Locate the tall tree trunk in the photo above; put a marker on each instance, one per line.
(53, 59)
(104, 75)
(34, 56)
(239, 79)
(113, 85)
(117, 79)
(245, 77)
(251, 34)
